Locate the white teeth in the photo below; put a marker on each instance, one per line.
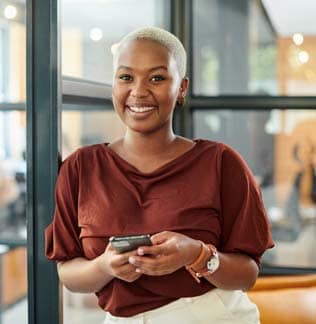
(141, 109)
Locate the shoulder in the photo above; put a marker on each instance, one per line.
(224, 151)
(84, 154)
(214, 147)
(227, 159)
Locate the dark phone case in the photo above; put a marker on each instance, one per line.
(130, 242)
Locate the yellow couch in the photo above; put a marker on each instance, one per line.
(286, 299)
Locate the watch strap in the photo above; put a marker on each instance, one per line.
(198, 267)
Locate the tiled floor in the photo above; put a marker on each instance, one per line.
(16, 314)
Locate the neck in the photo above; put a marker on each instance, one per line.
(148, 144)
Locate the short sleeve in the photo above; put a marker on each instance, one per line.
(245, 225)
(62, 235)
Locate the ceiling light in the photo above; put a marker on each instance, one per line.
(96, 34)
(303, 57)
(10, 12)
(298, 39)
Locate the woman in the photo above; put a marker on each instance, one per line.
(197, 199)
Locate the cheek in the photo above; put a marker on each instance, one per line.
(170, 96)
(117, 95)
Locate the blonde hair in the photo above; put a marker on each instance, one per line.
(161, 36)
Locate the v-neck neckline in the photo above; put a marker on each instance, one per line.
(158, 169)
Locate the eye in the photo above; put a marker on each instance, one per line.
(157, 78)
(125, 77)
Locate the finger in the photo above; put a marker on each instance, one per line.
(160, 237)
(158, 269)
(125, 271)
(153, 250)
(149, 265)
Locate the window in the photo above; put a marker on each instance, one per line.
(89, 127)
(253, 47)
(280, 148)
(253, 83)
(13, 255)
(90, 28)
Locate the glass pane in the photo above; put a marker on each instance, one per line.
(84, 128)
(81, 128)
(254, 47)
(280, 148)
(88, 32)
(13, 259)
(12, 52)
(13, 256)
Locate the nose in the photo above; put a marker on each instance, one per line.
(139, 89)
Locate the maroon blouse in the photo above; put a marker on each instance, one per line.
(207, 193)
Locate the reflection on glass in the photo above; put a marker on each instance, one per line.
(87, 128)
(88, 32)
(280, 148)
(254, 47)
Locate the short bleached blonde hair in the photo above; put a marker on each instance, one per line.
(161, 36)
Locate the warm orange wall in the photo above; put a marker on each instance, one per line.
(14, 278)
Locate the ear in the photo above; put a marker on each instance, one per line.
(184, 86)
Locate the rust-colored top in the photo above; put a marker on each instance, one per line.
(207, 193)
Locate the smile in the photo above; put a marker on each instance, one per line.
(141, 109)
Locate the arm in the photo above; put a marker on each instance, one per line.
(173, 251)
(82, 275)
(236, 271)
(88, 276)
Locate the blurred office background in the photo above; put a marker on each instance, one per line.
(252, 66)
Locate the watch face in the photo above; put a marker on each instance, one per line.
(213, 263)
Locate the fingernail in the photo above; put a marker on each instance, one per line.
(140, 252)
(131, 259)
(137, 270)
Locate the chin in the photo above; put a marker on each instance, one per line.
(147, 127)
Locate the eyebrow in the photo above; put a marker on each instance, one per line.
(150, 70)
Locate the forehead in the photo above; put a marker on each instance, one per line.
(144, 52)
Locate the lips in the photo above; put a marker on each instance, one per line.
(141, 109)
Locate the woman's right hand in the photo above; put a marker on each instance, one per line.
(116, 264)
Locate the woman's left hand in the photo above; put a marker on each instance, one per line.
(170, 251)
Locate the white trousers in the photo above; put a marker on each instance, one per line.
(217, 306)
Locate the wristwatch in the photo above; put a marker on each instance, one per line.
(206, 263)
(212, 263)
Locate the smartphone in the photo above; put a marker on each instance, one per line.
(129, 242)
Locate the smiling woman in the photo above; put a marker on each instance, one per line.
(146, 85)
(196, 198)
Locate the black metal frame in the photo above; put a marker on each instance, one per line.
(43, 143)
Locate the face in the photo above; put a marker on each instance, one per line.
(146, 86)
